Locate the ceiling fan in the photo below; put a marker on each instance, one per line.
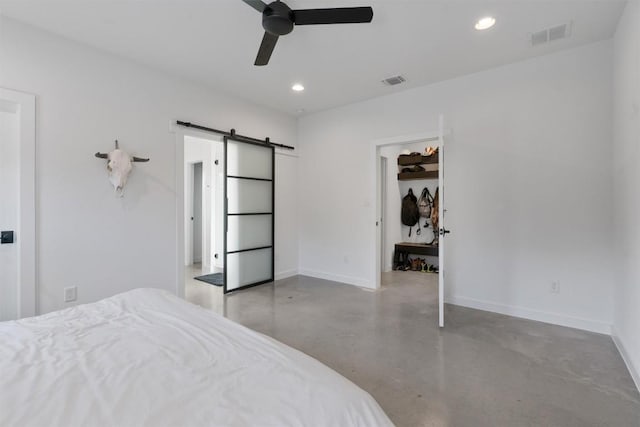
(278, 19)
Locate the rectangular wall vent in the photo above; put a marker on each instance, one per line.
(395, 80)
(557, 33)
(541, 37)
(551, 34)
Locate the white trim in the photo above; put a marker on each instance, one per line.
(527, 313)
(349, 280)
(179, 155)
(286, 274)
(26, 229)
(408, 139)
(635, 375)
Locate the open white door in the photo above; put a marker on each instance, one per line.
(443, 231)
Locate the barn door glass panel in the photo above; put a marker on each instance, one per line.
(249, 214)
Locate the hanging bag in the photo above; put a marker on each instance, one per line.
(410, 213)
(424, 205)
(435, 206)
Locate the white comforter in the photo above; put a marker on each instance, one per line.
(146, 357)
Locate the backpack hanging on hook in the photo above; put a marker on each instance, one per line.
(410, 214)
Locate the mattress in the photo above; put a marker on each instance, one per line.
(148, 358)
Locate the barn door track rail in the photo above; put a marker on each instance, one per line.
(234, 135)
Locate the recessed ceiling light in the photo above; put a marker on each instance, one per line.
(297, 87)
(485, 23)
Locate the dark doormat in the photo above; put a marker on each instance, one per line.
(215, 279)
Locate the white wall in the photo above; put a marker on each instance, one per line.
(626, 164)
(287, 212)
(395, 231)
(85, 100)
(528, 178)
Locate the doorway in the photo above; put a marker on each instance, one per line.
(412, 254)
(17, 210)
(238, 212)
(203, 217)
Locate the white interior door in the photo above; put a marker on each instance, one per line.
(249, 214)
(9, 191)
(17, 209)
(443, 231)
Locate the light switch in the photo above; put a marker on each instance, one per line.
(70, 294)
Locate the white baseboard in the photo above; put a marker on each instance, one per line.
(635, 374)
(356, 281)
(285, 274)
(527, 313)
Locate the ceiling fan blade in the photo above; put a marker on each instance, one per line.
(341, 15)
(258, 5)
(266, 48)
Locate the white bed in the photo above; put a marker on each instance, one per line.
(146, 357)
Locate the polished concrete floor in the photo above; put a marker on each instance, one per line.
(482, 369)
(201, 293)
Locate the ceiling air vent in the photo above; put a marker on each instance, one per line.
(395, 80)
(554, 33)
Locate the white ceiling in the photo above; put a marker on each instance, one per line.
(215, 42)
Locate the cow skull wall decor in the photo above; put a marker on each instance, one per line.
(119, 165)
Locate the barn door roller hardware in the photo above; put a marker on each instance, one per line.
(234, 135)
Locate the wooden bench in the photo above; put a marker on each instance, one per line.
(417, 248)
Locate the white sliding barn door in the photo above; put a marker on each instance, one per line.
(249, 214)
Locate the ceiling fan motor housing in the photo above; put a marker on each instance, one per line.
(277, 19)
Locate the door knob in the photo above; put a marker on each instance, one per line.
(6, 237)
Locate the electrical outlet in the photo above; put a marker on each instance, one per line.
(70, 294)
(555, 287)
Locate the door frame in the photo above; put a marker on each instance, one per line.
(26, 228)
(384, 162)
(375, 191)
(201, 213)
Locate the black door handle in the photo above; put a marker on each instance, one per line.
(6, 237)
(444, 231)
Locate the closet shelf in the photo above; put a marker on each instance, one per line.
(407, 176)
(405, 160)
(417, 159)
